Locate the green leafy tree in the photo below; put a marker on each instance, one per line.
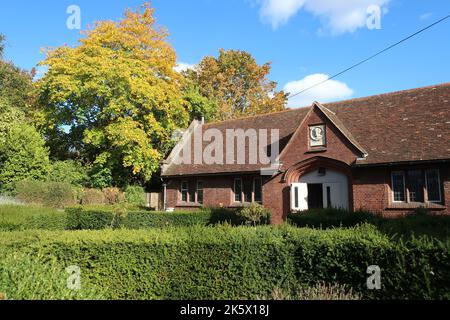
(17, 94)
(237, 84)
(100, 178)
(2, 45)
(9, 116)
(23, 156)
(118, 93)
(16, 86)
(198, 105)
(70, 172)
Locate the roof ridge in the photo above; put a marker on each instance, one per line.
(445, 84)
(253, 116)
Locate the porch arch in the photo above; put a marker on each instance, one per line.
(307, 167)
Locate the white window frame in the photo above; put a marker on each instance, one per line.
(242, 190)
(254, 190)
(439, 184)
(185, 190)
(405, 191)
(301, 205)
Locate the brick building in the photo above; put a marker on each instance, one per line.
(388, 153)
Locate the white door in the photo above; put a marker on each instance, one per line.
(299, 196)
(333, 196)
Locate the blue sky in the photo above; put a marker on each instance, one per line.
(304, 39)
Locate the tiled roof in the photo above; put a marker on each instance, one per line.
(411, 125)
(404, 126)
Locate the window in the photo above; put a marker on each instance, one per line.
(200, 192)
(257, 190)
(433, 185)
(398, 186)
(237, 190)
(184, 191)
(248, 191)
(415, 186)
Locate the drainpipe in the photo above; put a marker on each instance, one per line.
(165, 197)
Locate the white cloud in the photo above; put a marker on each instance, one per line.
(181, 66)
(425, 16)
(278, 12)
(327, 92)
(337, 16)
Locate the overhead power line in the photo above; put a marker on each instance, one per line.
(371, 57)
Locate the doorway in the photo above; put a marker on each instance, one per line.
(315, 196)
(324, 189)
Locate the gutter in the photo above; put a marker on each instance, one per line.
(391, 164)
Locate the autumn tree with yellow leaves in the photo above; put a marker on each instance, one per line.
(237, 84)
(114, 100)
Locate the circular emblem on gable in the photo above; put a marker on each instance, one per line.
(317, 133)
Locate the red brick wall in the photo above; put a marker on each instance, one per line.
(337, 148)
(217, 190)
(277, 198)
(371, 191)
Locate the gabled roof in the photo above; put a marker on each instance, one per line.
(341, 127)
(405, 126)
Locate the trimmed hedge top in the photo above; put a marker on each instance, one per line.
(236, 263)
(15, 218)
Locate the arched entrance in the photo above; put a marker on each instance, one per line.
(319, 183)
(325, 189)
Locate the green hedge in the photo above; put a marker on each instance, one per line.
(331, 218)
(46, 193)
(16, 218)
(235, 263)
(38, 277)
(98, 219)
(411, 225)
(80, 219)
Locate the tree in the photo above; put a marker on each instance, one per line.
(23, 155)
(9, 116)
(17, 94)
(197, 105)
(70, 172)
(117, 94)
(16, 87)
(2, 44)
(237, 84)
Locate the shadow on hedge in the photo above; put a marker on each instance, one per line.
(417, 224)
(224, 216)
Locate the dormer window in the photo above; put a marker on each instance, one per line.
(317, 136)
